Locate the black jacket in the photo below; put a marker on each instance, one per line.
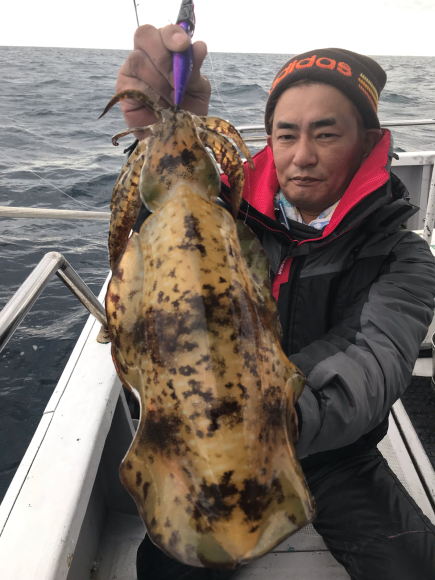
(355, 299)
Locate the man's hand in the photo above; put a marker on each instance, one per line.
(149, 69)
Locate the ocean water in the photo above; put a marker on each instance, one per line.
(55, 153)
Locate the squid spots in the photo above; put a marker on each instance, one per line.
(189, 346)
(115, 298)
(223, 411)
(197, 388)
(193, 237)
(161, 433)
(215, 501)
(162, 298)
(244, 391)
(145, 489)
(188, 157)
(168, 164)
(161, 333)
(187, 370)
(174, 540)
(255, 497)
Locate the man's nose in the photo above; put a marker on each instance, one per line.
(305, 153)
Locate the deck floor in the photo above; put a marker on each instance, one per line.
(419, 402)
(304, 554)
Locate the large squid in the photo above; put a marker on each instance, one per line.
(196, 337)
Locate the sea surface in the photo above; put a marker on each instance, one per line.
(55, 153)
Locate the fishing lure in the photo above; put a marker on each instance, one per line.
(183, 61)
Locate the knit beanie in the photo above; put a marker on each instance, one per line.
(359, 77)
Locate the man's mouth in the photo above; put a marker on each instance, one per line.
(301, 180)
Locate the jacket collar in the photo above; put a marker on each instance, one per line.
(262, 184)
(369, 190)
(372, 175)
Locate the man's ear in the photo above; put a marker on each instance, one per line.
(269, 141)
(371, 139)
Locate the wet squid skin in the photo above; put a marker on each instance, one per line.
(195, 335)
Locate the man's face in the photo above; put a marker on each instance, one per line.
(318, 145)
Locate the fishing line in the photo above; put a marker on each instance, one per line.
(52, 185)
(135, 9)
(215, 82)
(217, 87)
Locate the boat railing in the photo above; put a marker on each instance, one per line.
(53, 214)
(251, 140)
(257, 140)
(54, 263)
(22, 301)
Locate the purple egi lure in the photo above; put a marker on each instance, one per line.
(183, 61)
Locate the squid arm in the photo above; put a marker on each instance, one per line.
(220, 126)
(126, 203)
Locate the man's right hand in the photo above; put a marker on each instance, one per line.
(149, 69)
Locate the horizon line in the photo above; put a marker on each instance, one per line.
(210, 51)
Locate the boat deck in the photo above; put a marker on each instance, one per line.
(68, 512)
(419, 402)
(305, 553)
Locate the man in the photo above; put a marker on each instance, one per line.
(354, 290)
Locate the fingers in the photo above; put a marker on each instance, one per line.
(139, 73)
(197, 97)
(149, 69)
(174, 38)
(152, 42)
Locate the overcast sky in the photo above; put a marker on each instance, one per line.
(374, 27)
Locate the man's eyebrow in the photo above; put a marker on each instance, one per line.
(328, 122)
(285, 125)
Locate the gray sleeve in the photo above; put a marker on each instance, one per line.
(363, 365)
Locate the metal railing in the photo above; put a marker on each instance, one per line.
(257, 140)
(246, 129)
(53, 214)
(392, 123)
(24, 298)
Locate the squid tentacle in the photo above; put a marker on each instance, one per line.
(225, 128)
(137, 96)
(146, 130)
(229, 159)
